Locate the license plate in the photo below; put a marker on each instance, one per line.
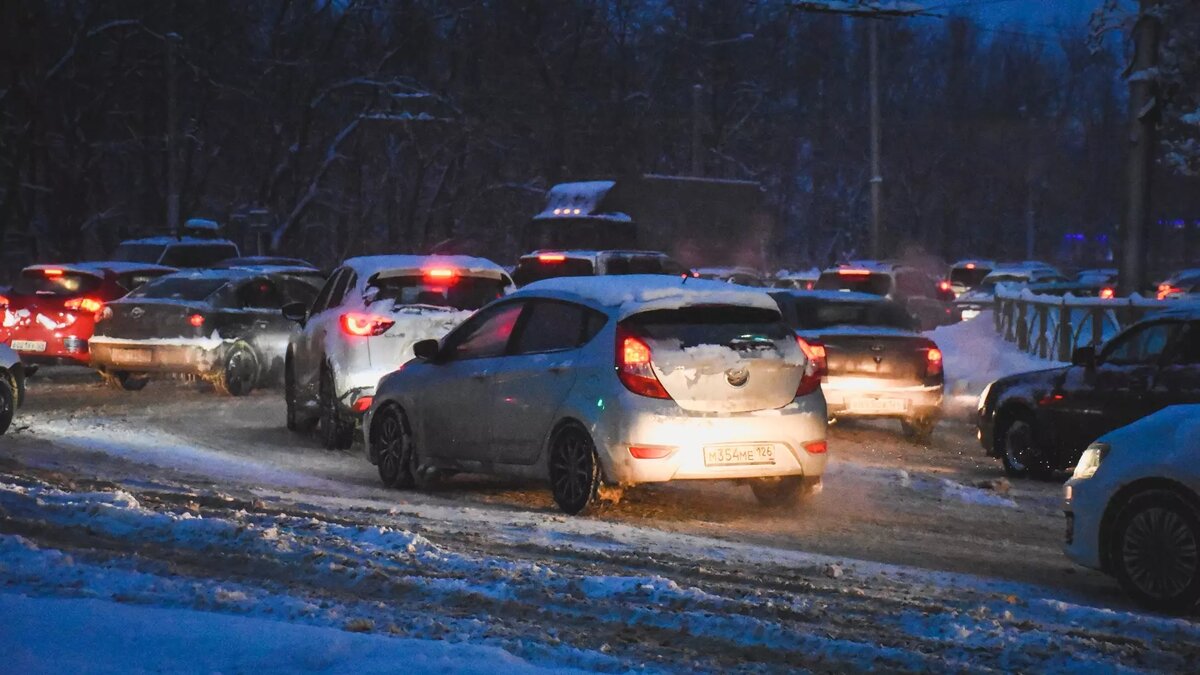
(28, 345)
(739, 455)
(138, 356)
(878, 406)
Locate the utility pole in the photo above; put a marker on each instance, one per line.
(172, 40)
(1143, 108)
(697, 159)
(876, 149)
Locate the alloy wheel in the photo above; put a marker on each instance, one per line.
(1160, 552)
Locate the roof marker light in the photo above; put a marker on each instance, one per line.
(853, 272)
(970, 266)
(551, 257)
(53, 272)
(441, 273)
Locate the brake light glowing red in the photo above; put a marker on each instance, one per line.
(944, 285)
(90, 305)
(814, 369)
(365, 325)
(441, 274)
(817, 447)
(933, 362)
(1167, 290)
(196, 320)
(634, 367)
(362, 404)
(850, 272)
(552, 258)
(52, 272)
(1107, 293)
(651, 451)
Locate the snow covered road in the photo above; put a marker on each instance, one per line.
(207, 508)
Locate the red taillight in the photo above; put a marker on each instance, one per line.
(1167, 290)
(817, 447)
(441, 274)
(365, 325)
(944, 286)
(90, 305)
(1107, 293)
(196, 320)
(53, 272)
(651, 451)
(848, 272)
(362, 404)
(815, 367)
(933, 362)
(808, 285)
(551, 258)
(634, 366)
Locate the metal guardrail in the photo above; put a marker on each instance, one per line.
(1052, 327)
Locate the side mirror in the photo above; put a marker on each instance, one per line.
(295, 311)
(426, 350)
(1084, 356)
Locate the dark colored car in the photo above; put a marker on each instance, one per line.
(224, 326)
(1041, 422)
(877, 365)
(915, 290)
(262, 261)
(181, 252)
(553, 264)
(49, 312)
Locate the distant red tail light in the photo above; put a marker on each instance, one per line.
(89, 305)
(815, 368)
(196, 320)
(944, 286)
(1107, 293)
(634, 366)
(365, 325)
(1167, 290)
(853, 272)
(933, 362)
(52, 272)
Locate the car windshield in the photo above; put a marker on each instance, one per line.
(54, 282)
(134, 252)
(180, 288)
(823, 314)
(872, 283)
(461, 292)
(198, 255)
(968, 276)
(709, 325)
(530, 270)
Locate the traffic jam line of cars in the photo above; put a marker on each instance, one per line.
(607, 369)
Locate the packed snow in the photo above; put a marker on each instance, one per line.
(975, 355)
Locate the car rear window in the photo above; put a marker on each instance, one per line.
(809, 315)
(462, 292)
(873, 283)
(143, 253)
(530, 270)
(198, 255)
(54, 282)
(968, 276)
(709, 325)
(180, 288)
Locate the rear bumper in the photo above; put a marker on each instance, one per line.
(849, 396)
(59, 350)
(136, 356)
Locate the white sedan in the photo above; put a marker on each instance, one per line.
(590, 382)
(12, 385)
(1133, 508)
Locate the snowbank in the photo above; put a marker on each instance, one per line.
(975, 354)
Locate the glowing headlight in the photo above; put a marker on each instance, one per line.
(1090, 461)
(983, 396)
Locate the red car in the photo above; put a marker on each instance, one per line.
(49, 314)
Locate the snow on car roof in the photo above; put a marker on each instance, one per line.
(831, 296)
(401, 265)
(811, 273)
(637, 293)
(725, 271)
(73, 268)
(576, 199)
(185, 240)
(122, 266)
(976, 262)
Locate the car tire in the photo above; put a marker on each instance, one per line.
(240, 372)
(575, 474)
(337, 432)
(778, 492)
(124, 381)
(392, 445)
(296, 420)
(919, 429)
(8, 403)
(1018, 450)
(1155, 551)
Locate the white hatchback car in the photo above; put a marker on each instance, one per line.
(1133, 508)
(593, 381)
(12, 385)
(363, 325)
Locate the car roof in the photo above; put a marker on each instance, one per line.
(73, 268)
(977, 262)
(1186, 310)
(592, 254)
(635, 293)
(178, 241)
(264, 261)
(830, 296)
(124, 267)
(402, 265)
(728, 271)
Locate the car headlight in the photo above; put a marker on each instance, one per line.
(1089, 462)
(983, 396)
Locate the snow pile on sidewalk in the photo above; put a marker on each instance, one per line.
(975, 354)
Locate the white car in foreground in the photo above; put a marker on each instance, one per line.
(592, 381)
(12, 385)
(363, 325)
(1133, 508)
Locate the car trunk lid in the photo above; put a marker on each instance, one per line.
(883, 353)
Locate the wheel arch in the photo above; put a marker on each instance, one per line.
(1006, 412)
(1119, 501)
(568, 420)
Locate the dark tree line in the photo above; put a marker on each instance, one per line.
(352, 126)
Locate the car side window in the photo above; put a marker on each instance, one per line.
(618, 265)
(1141, 346)
(322, 302)
(1186, 350)
(484, 335)
(297, 290)
(550, 326)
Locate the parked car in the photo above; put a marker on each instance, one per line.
(797, 281)
(12, 386)
(587, 382)
(876, 365)
(180, 252)
(1040, 422)
(967, 274)
(983, 297)
(1184, 284)
(1099, 276)
(1133, 508)
(552, 264)
(49, 313)
(223, 326)
(915, 290)
(363, 325)
(263, 261)
(742, 276)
